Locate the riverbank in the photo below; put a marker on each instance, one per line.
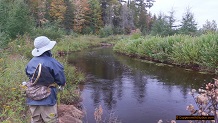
(196, 53)
(12, 64)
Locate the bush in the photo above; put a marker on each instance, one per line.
(12, 101)
(3, 40)
(106, 31)
(14, 20)
(50, 30)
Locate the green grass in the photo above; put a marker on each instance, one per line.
(178, 49)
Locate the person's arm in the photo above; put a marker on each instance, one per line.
(58, 73)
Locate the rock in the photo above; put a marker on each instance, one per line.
(69, 114)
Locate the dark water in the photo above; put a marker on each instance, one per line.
(132, 90)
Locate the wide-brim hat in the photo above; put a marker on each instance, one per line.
(42, 44)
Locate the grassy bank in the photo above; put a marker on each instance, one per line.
(199, 53)
(12, 64)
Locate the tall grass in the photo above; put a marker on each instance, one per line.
(12, 101)
(181, 50)
(77, 43)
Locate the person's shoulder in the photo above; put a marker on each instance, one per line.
(52, 60)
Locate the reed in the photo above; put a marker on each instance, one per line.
(182, 50)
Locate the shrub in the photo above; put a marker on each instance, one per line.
(3, 40)
(106, 31)
(50, 32)
(206, 100)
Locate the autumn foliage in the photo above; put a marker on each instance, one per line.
(57, 10)
(80, 13)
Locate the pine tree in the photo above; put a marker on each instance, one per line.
(127, 19)
(161, 26)
(15, 19)
(68, 16)
(95, 20)
(189, 25)
(142, 19)
(209, 26)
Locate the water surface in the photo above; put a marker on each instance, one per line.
(133, 90)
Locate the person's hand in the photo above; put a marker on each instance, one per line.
(61, 88)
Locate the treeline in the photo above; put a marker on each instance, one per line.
(102, 17)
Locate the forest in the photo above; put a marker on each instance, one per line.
(97, 17)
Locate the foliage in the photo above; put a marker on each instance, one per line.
(106, 31)
(16, 18)
(197, 52)
(21, 45)
(3, 40)
(51, 31)
(95, 22)
(70, 95)
(143, 19)
(4, 8)
(57, 10)
(126, 20)
(206, 101)
(68, 17)
(39, 11)
(71, 43)
(209, 26)
(88, 17)
(13, 103)
(189, 25)
(161, 26)
(81, 11)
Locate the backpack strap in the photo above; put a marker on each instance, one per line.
(53, 85)
(39, 73)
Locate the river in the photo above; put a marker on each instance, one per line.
(134, 90)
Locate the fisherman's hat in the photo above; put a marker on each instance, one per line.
(42, 44)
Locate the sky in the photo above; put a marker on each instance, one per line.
(202, 9)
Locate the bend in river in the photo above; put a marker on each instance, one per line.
(133, 90)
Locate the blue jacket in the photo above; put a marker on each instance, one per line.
(57, 71)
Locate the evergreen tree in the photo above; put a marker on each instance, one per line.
(189, 26)
(107, 10)
(127, 20)
(117, 19)
(68, 17)
(142, 19)
(171, 21)
(15, 18)
(209, 26)
(95, 19)
(135, 11)
(149, 22)
(161, 26)
(4, 14)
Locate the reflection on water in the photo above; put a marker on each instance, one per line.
(136, 91)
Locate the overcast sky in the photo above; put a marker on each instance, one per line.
(202, 9)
